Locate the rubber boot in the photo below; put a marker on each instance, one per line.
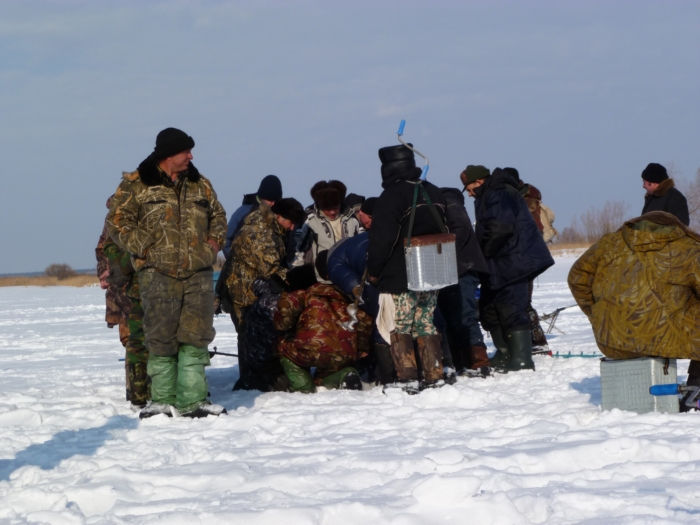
(299, 379)
(430, 354)
(163, 374)
(139, 392)
(192, 385)
(480, 360)
(344, 379)
(520, 344)
(385, 364)
(404, 357)
(502, 356)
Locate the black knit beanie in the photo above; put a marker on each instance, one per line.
(513, 173)
(270, 188)
(290, 209)
(655, 173)
(171, 141)
(368, 206)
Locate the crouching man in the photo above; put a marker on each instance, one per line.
(167, 215)
(640, 288)
(318, 335)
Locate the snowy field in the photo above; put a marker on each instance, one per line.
(516, 449)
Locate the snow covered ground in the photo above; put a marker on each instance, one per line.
(516, 449)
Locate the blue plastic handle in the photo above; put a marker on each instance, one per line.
(663, 390)
(425, 172)
(401, 126)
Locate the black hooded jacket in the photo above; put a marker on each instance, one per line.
(507, 233)
(385, 254)
(667, 198)
(469, 256)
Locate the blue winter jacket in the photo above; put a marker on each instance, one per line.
(507, 233)
(348, 261)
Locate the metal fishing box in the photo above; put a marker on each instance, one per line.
(431, 262)
(625, 384)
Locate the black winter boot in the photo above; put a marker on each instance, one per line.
(502, 356)
(385, 364)
(520, 344)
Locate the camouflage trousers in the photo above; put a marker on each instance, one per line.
(176, 311)
(414, 313)
(137, 381)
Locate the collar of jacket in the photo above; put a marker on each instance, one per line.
(151, 175)
(663, 218)
(408, 175)
(453, 196)
(346, 212)
(663, 187)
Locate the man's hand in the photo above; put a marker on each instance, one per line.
(103, 280)
(214, 245)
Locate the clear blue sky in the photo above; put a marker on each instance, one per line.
(579, 96)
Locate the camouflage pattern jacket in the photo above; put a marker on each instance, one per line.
(258, 253)
(117, 302)
(166, 226)
(313, 319)
(640, 288)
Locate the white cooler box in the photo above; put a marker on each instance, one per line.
(431, 262)
(625, 384)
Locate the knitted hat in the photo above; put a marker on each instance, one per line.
(171, 141)
(368, 206)
(513, 173)
(474, 173)
(322, 264)
(328, 195)
(353, 199)
(270, 188)
(655, 173)
(290, 209)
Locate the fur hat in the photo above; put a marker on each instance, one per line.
(328, 195)
(655, 173)
(395, 160)
(171, 141)
(290, 209)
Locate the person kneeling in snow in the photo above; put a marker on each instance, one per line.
(640, 288)
(318, 336)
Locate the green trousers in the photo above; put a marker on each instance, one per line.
(180, 380)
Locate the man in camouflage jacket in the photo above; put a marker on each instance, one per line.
(168, 217)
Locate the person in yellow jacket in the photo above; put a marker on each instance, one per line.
(640, 288)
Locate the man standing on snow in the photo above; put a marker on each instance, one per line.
(662, 194)
(168, 217)
(515, 253)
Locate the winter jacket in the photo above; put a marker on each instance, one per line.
(315, 337)
(250, 203)
(117, 302)
(640, 288)
(321, 232)
(385, 255)
(508, 236)
(667, 198)
(347, 263)
(166, 226)
(258, 253)
(469, 256)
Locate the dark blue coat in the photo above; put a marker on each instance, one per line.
(348, 261)
(507, 233)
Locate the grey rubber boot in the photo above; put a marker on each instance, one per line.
(502, 356)
(520, 344)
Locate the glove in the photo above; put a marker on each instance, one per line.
(116, 277)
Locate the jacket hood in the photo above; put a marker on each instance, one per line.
(653, 231)
(346, 212)
(326, 290)
(250, 198)
(395, 176)
(498, 180)
(453, 196)
(150, 175)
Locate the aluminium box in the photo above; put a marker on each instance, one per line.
(625, 384)
(431, 262)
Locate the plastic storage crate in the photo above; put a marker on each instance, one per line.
(431, 262)
(625, 384)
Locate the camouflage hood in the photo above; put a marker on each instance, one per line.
(166, 225)
(640, 288)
